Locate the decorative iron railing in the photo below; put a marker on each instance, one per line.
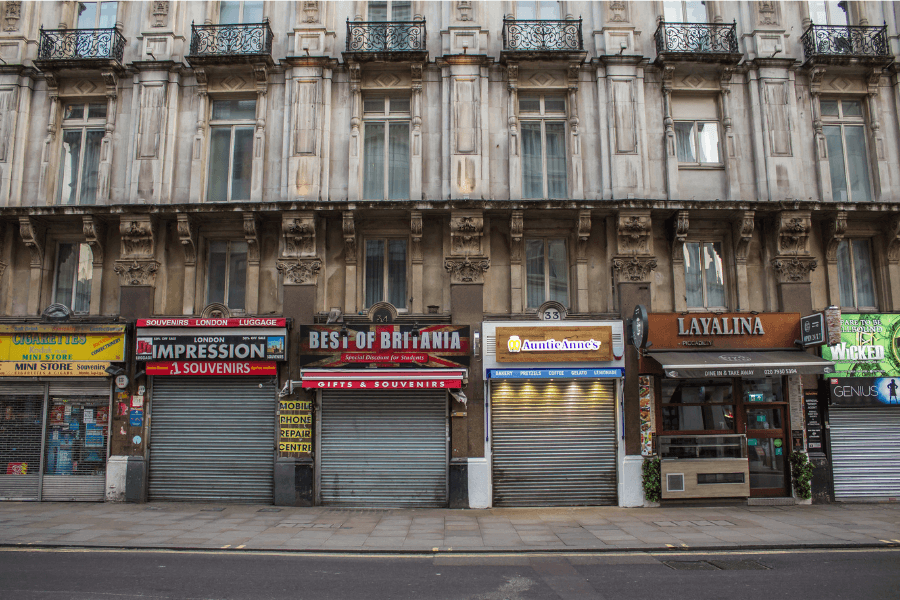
(78, 44)
(697, 38)
(387, 36)
(532, 36)
(850, 40)
(244, 39)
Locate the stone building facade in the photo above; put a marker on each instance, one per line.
(463, 162)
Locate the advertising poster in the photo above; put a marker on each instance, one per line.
(865, 391)
(646, 397)
(868, 348)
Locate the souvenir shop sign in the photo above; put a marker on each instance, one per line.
(209, 347)
(186, 322)
(53, 369)
(355, 346)
(870, 346)
(865, 391)
(60, 350)
(554, 344)
(212, 368)
(699, 331)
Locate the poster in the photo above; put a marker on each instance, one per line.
(645, 387)
(870, 346)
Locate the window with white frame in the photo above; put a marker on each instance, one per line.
(386, 147)
(383, 11)
(704, 275)
(848, 159)
(856, 274)
(74, 272)
(231, 149)
(227, 274)
(546, 271)
(685, 11)
(96, 15)
(385, 271)
(542, 120)
(830, 12)
(83, 128)
(240, 12)
(696, 131)
(543, 10)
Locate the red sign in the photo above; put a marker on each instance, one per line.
(268, 367)
(186, 322)
(383, 384)
(19, 468)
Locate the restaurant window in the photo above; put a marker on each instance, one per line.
(227, 274)
(83, 128)
(698, 405)
(542, 119)
(546, 271)
(240, 12)
(96, 15)
(704, 275)
(848, 160)
(385, 272)
(231, 149)
(74, 273)
(855, 274)
(386, 147)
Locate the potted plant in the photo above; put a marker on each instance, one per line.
(801, 475)
(651, 478)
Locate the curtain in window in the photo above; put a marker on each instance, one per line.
(693, 276)
(556, 160)
(862, 264)
(836, 162)
(558, 276)
(68, 166)
(857, 163)
(397, 273)
(83, 278)
(398, 165)
(237, 276)
(845, 274)
(242, 165)
(534, 272)
(378, 10)
(532, 180)
(684, 142)
(374, 271)
(709, 142)
(715, 275)
(401, 10)
(373, 154)
(65, 273)
(219, 150)
(90, 175)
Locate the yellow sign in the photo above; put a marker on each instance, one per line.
(61, 328)
(294, 405)
(295, 433)
(294, 447)
(296, 420)
(55, 346)
(52, 369)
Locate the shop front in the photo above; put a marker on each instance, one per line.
(863, 410)
(722, 396)
(55, 397)
(382, 424)
(211, 407)
(552, 411)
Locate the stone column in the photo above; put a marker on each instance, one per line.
(835, 228)
(583, 236)
(516, 256)
(743, 234)
(187, 234)
(33, 235)
(668, 72)
(94, 234)
(892, 243)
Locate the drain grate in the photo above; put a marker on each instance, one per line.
(690, 565)
(715, 565)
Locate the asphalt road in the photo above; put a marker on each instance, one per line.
(82, 574)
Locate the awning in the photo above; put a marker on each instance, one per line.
(689, 365)
(383, 379)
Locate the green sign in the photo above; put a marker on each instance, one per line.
(870, 346)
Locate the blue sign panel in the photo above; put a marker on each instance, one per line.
(136, 418)
(553, 373)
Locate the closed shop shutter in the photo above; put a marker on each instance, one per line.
(21, 428)
(553, 442)
(865, 456)
(384, 449)
(212, 439)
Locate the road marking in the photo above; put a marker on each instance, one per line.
(227, 546)
(241, 546)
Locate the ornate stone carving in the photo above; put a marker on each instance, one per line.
(3, 266)
(793, 232)
(893, 239)
(160, 14)
(834, 232)
(634, 233)
(680, 225)
(516, 232)
(618, 12)
(311, 12)
(464, 10)
(137, 272)
(94, 233)
(349, 230)
(12, 15)
(300, 272)
(33, 236)
(415, 229)
(816, 75)
(633, 268)
(794, 269)
(138, 236)
(583, 234)
(767, 13)
(299, 231)
(743, 234)
(467, 270)
(251, 235)
(187, 234)
(466, 232)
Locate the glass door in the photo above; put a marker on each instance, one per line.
(765, 413)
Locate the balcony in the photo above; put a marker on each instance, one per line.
(386, 41)
(840, 44)
(245, 43)
(697, 42)
(80, 48)
(550, 40)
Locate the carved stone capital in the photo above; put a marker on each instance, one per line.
(138, 236)
(680, 225)
(816, 75)
(251, 235)
(743, 234)
(794, 269)
(300, 271)
(32, 234)
(634, 232)
(583, 233)
(834, 232)
(668, 76)
(349, 229)
(468, 270)
(299, 230)
(3, 267)
(793, 232)
(187, 234)
(516, 232)
(137, 272)
(633, 269)
(466, 233)
(415, 230)
(893, 240)
(94, 234)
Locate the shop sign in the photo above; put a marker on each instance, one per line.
(390, 345)
(865, 391)
(812, 330)
(814, 438)
(53, 369)
(383, 384)
(697, 331)
(212, 368)
(869, 346)
(554, 373)
(554, 344)
(210, 347)
(60, 350)
(242, 322)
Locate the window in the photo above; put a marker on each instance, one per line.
(542, 120)
(74, 272)
(696, 131)
(546, 272)
(79, 169)
(231, 150)
(697, 405)
(386, 148)
(530, 10)
(855, 270)
(690, 11)
(390, 10)
(386, 271)
(227, 274)
(828, 13)
(845, 138)
(240, 12)
(96, 15)
(704, 275)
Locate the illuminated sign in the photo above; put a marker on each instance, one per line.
(212, 368)
(554, 344)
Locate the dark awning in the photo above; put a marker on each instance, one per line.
(690, 365)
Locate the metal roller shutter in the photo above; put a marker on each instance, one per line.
(212, 438)
(21, 429)
(553, 442)
(865, 457)
(384, 449)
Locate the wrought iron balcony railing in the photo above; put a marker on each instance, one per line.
(243, 39)
(542, 36)
(847, 41)
(81, 44)
(386, 36)
(696, 38)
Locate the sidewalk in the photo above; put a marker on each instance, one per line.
(320, 529)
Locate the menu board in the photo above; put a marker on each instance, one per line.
(814, 439)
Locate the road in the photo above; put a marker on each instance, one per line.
(94, 574)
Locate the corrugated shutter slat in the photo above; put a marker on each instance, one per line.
(865, 457)
(21, 427)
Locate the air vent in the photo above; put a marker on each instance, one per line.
(490, 345)
(675, 482)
